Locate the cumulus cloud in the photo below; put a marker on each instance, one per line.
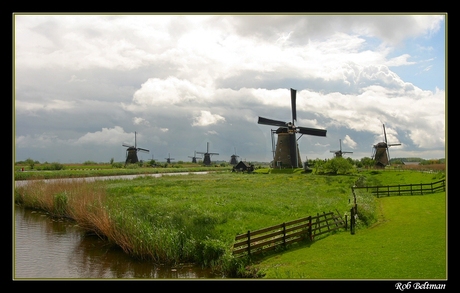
(206, 118)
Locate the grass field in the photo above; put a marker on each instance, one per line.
(194, 218)
(409, 241)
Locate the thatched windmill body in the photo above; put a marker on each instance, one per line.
(233, 159)
(207, 155)
(131, 151)
(339, 153)
(380, 151)
(194, 157)
(287, 153)
(169, 159)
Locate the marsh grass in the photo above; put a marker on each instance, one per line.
(195, 218)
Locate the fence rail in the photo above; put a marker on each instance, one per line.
(401, 189)
(254, 242)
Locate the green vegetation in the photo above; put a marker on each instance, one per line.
(194, 218)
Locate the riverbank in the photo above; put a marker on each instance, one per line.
(195, 218)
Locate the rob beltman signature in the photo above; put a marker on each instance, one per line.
(416, 286)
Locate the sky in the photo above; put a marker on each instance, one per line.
(85, 84)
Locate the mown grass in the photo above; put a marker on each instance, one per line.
(407, 242)
(194, 218)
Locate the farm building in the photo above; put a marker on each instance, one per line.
(243, 167)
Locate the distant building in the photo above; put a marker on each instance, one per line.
(243, 167)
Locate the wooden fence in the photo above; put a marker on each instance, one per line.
(254, 242)
(421, 188)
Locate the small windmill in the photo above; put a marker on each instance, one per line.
(131, 151)
(207, 155)
(338, 154)
(381, 153)
(168, 159)
(233, 159)
(287, 150)
(194, 157)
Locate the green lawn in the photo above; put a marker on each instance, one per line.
(409, 241)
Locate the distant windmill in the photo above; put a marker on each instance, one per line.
(207, 155)
(233, 159)
(168, 159)
(287, 149)
(338, 154)
(131, 152)
(194, 157)
(381, 153)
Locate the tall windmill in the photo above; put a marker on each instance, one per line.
(207, 155)
(168, 159)
(287, 149)
(338, 154)
(194, 157)
(381, 153)
(131, 151)
(233, 160)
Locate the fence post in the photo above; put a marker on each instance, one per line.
(352, 221)
(421, 188)
(284, 234)
(249, 242)
(346, 222)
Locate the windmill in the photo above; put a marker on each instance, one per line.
(194, 158)
(131, 151)
(338, 154)
(233, 159)
(168, 159)
(381, 153)
(287, 148)
(207, 155)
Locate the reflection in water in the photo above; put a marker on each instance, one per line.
(56, 248)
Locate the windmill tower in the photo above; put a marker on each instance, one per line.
(168, 159)
(233, 159)
(381, 153)
(131, 151)
(338, 154)
(287, 149)
(194, 157)
(207, 155)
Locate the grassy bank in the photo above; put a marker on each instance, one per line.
(194, 218)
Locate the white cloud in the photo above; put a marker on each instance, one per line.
(107, 136)
(206, 118)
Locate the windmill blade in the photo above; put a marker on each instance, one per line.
(385, 134)
(312, 131)
(127, 145)
(143, 150)
(394, 144)
(293, 105)
(267, 121)
(347, 152)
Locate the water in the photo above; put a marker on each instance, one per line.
(47, 248)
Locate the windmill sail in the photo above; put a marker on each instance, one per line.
(381, 153)
(287, 149)
(131, 151)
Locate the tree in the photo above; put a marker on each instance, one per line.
(337, 165)
(30, 162)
